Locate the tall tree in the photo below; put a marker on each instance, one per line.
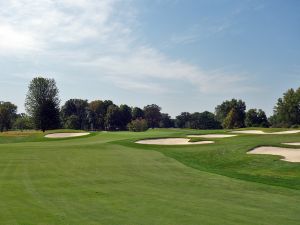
(42, 103)
(96, 114)
(112, 118)
(152, 115)
(125, 116)
(236, 107)
(8, 113)
(287, 109)
(137, 113)
(256, 118)
(77, 108)
(166, 121)
(204, 120)
(183, 120)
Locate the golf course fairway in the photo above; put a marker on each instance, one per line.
(106, 178)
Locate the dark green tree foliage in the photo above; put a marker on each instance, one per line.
(23, 122)
(96, 114)
(112, 118)
(287, 109)
(107, 103)
(166, 121)
(256, 118)
(42, 103)
(204, 120)
(183, 120)
(77, 108)
(137, 113)
(47, 117)
(152, 115)
(237, 109)
(125, 116)
(138, 125)
(8, 113)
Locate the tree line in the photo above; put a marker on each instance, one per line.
(44, 113)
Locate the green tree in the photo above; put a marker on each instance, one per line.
(8, 113)
(238, 107)
(137, 113)
(96, 114)
(42, 103)
(23, 122)
(166, 121)
(183, 120)
(152, 115)
(125, 116)
(204, 120)
(287, 109)
(256, 118)
(47, 116)
(112, 118)
(77, 108)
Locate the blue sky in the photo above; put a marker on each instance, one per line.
(184, 55)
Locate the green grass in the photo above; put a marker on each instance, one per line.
(106, 178)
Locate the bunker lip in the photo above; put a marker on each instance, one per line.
(212, 135)
(172, 141)
(289, 154)
(262, 132)
(66, 135)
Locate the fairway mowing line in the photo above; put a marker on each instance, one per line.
(289, 154)
(172, 141)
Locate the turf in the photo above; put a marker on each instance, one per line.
(106, 178)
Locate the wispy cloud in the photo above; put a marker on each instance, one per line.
(99, 38)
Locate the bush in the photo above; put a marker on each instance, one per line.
(138, 125)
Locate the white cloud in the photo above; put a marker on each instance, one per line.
(98, 35)
(12, 40)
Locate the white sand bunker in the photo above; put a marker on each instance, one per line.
(212, 136)
(262, 132)
(172, 141)
(289, 154)
(65, 135)
(292, 143)
(248, 132)
(287, 132)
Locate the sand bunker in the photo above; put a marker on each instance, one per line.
(287, 132)
(212, 136)
(289, 154)
(65, 135)
(172, 141)
(248, 132)
(262, 132)
(293, 143)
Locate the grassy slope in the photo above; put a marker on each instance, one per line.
(107, 179)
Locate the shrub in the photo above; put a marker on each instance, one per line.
(138, 125)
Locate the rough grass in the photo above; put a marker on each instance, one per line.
(106, 178)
